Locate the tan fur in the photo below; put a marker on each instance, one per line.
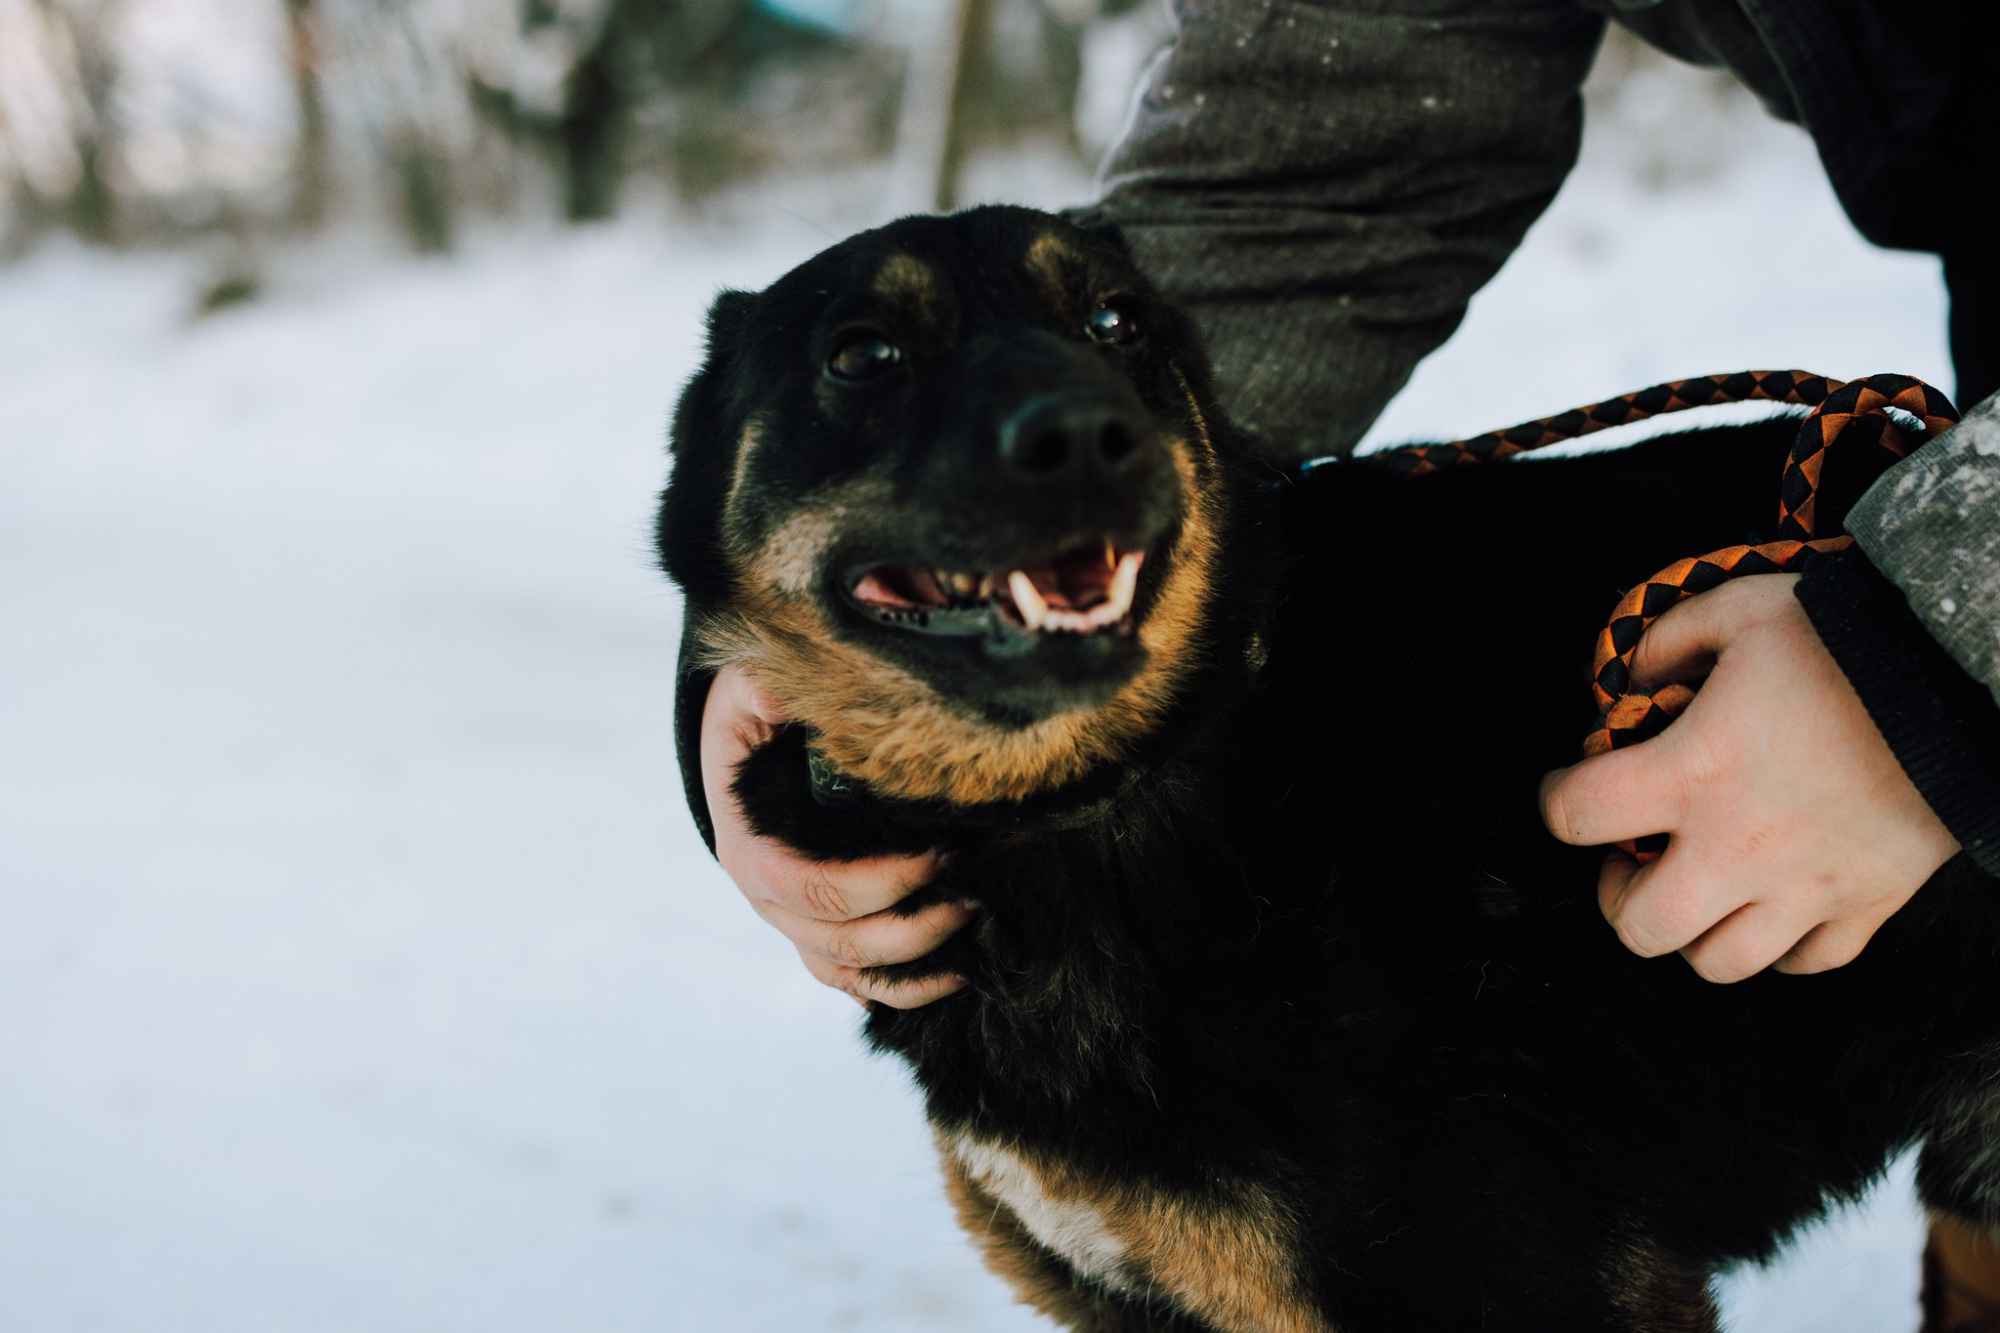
(884, 726)
(733, 520)
(1228, 1257)
(1967, 1259)
(1050, 260)
(908, 281)
(782, 567)
(1012, 1254)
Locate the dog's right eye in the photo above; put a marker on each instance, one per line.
(862, 355)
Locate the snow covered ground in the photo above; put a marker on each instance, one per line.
(360, 969)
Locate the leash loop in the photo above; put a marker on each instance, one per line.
(1855, 421)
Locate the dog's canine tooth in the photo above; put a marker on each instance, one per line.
(1123, 584)
(1034, 611)
(1110, 554)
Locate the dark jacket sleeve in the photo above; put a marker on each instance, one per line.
(1325, 186)
(1943, 725)
(1932, 526)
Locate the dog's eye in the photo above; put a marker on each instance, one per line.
(862, 355)
(1110, 324)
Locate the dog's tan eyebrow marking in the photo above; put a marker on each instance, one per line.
(1051, 261)
(907, 281)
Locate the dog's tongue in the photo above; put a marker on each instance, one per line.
(876, 588)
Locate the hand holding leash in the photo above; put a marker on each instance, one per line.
(834, 913)
(1795, 832)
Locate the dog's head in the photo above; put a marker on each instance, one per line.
(949, 491)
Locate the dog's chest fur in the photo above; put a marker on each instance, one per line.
(1225, 1255)
(1075, 1226)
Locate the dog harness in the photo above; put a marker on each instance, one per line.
(1873, 419)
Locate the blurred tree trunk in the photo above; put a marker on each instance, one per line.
(596, 104)
(423, 191)
(16, 198)
(312, 169)
(1062, 28)
(419, 161)
(87, 31)
(933, 122)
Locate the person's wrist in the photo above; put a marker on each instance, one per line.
(1940, 724)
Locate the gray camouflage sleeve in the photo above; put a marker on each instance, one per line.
(1931, 525)
(1325, 185)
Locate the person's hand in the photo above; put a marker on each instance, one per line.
(1794, 832)
(831, 911)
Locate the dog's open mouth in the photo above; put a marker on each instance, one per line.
(1084, 591)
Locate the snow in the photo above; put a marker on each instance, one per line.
(362, 969)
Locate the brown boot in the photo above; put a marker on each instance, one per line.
(1961, 1278)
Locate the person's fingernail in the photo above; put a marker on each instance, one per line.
(969, 904)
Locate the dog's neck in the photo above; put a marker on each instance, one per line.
(1099, 902)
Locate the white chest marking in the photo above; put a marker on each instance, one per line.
(1071, 1228)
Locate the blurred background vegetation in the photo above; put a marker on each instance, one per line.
(130, 123)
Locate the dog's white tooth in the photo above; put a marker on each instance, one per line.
(1123, 584)
(1110, 554)
(964, 584)
(985, 587)
(1034, 611)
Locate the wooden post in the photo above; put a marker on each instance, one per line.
(931, 123)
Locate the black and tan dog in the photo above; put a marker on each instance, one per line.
(1284, 1013)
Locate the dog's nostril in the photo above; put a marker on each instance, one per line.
(1067, 436)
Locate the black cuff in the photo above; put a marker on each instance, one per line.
(690, 698)
(1942, 725)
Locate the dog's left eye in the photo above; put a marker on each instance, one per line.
(1110, 324)
(862, 355)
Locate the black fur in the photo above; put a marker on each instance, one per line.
(1312, 933)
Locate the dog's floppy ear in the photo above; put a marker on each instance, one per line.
(703, 440)
(704, 401)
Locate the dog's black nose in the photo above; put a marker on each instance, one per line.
(1060, 437)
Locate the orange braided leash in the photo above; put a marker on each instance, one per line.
(1844, 416)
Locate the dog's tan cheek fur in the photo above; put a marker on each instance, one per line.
(1229, 1258)
(736, 525)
